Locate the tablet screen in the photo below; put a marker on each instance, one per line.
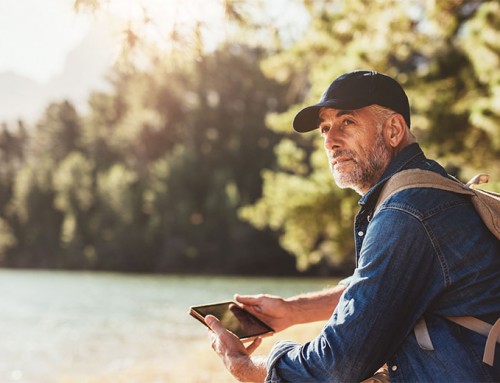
(235, 319)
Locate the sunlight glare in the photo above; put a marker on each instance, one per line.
(158, 19)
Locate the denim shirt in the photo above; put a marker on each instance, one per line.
(426, 253)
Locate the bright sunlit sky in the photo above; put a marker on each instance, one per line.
(37, 35)
(32, 44)
(67, 53)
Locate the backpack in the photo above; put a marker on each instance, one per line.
(487, 204)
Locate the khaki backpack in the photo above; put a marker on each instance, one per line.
(487, 204)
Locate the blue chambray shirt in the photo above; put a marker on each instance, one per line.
(426, 253)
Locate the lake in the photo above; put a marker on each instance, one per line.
(80, 326)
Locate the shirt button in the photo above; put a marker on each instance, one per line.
(394, 368)
(360, 233)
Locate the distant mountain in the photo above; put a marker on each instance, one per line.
(84, 71)
(20, 98)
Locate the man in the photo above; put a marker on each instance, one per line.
(424, 256)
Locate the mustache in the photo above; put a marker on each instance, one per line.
(347, 153)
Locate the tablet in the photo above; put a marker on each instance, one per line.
(240, 322)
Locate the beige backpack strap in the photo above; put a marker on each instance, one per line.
(418, 178)
(422, 335)
(486, 203)
(492, 332)
(478, 179)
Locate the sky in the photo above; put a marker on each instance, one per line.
(48, 52)
(37, 36)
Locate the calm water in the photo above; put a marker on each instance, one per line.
(75, 327)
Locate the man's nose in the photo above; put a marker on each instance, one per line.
(331, 140)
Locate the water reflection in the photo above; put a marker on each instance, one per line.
(72, 327)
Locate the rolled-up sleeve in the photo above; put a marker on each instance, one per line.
(384, 299)
(279, 349)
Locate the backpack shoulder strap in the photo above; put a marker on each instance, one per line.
(486, 203)
(418, 178)
(491, 332)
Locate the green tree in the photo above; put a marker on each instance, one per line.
(57, 132)
(444, 53)
(12, 153)
(33, 222)
(30, 221)
(151, 178)
(165, 171)
(215, 168)
(75, 199)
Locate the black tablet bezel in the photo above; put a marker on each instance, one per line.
(195, 312)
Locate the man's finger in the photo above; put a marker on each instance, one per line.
(253, 346)
(214, 324)
(249, 303)
(248, 299)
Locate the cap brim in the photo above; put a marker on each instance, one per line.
(308, 118)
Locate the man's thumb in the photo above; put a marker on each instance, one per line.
(214, 324)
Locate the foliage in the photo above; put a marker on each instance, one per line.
(189, 163)
(444, 53)
(151, 178)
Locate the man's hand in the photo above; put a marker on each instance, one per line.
(282, 313)
(234, 354)
(272, 310)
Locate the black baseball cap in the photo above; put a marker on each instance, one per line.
(355, 90)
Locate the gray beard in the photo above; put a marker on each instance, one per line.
(367, 171)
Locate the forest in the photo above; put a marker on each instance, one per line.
(189, 164)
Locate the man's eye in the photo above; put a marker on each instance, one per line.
(324, 129)
(347, 122)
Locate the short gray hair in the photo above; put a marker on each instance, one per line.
(381, 112)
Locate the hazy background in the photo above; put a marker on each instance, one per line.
(148, 163)
(155, 136)
(49, 53)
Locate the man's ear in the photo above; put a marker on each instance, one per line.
(395, 130)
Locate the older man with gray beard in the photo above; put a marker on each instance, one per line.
(425, 257)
